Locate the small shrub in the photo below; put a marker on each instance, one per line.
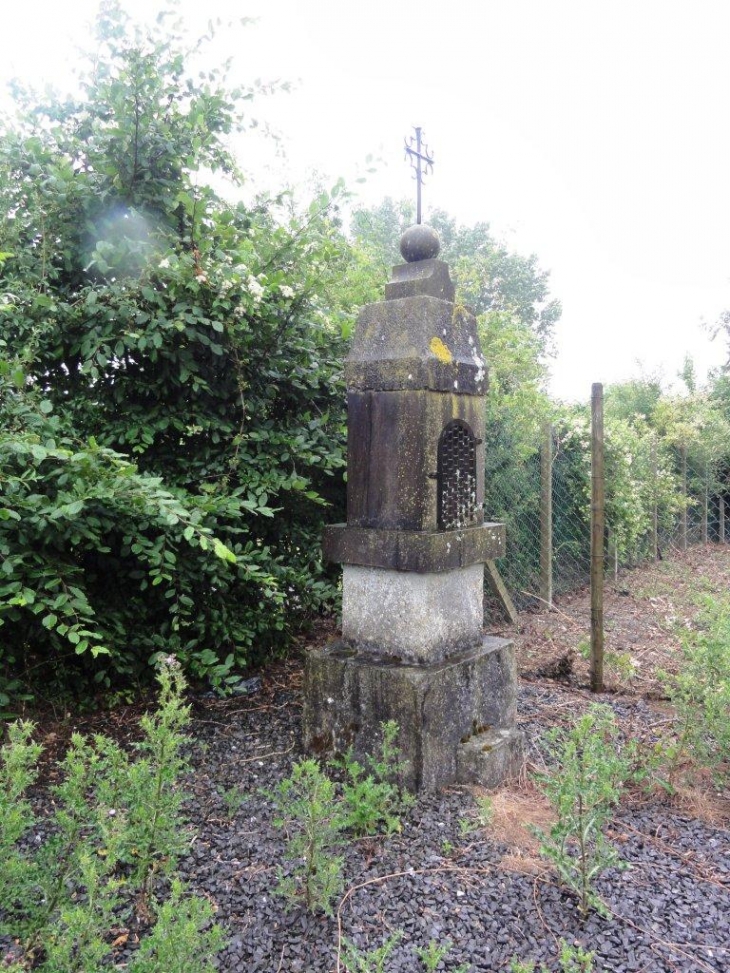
(572, 960)
(373, 961)
(307, 807)
(115, 823)
(233, 798)
(433, 955)
(155, 837)
(370, 793)
(583, 790)
(700, 692)
(183, 940)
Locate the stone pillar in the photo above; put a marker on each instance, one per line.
(414, 546)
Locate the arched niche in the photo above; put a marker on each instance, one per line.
(456, 476)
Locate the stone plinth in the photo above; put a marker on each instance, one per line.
(425, 552)
(416, 617)
(439, 707)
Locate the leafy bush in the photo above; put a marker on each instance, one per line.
(144, 315)
(73, 516)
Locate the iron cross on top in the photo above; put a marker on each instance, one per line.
(417, 154)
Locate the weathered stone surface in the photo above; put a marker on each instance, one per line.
(427, 277)
(392, 455)
(414, 343)
(348, 694)
(424, 552)
(491, 757)
(420, 243)
(418, 617)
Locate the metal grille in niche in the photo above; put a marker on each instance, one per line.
(456, 477)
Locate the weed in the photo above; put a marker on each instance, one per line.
(114, 822)
(467, 826)
(183, 940)
(50, 918)
(447, 848)
(307, 808)
(620, 663)
(700, 692)
(370, 793)
(18, 758)
(155, 800)
(572, 960)
(433, 954)
(485, 810)
(373, 961)
(234, 798)
(481, 817)
(583, 790)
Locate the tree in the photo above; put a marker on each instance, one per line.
(636, 398)
(151, 317)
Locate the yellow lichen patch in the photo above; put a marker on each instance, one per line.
(440, 350)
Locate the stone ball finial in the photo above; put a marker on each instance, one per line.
(419, 242)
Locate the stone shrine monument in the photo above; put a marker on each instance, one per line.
(414, 546)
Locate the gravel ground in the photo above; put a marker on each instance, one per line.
(438, 880)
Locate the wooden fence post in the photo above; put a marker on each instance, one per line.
(655, 508)
(597, 537)
(683, 515)
(546, 515)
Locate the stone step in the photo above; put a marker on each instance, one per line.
(490, 757)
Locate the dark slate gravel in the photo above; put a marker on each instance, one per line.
(672, 905)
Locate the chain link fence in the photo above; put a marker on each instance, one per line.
(661, 496)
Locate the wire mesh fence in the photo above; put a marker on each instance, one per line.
(661, 496)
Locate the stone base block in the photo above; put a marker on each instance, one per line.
(420, 618)
(491, 757)
(348, 694)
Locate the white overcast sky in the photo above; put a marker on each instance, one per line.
(594, 134)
